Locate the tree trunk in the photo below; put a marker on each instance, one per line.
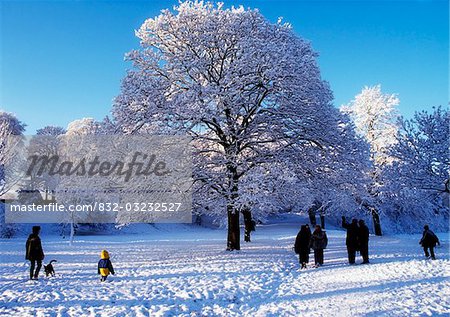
(376, 222)
(312, 217)
(375, 215)
(233, 242)
(322, 221)
(72, 232)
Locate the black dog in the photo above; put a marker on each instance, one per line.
(49, 270)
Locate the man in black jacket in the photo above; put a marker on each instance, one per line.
(429, 241)
(363, 239)
(352, 238)
(34, 252)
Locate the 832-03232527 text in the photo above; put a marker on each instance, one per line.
(99, 206)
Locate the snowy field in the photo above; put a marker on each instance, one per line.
(186, 272)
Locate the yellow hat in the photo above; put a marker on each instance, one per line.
(104, 254)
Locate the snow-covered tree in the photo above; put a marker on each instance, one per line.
(83, 126)
(248, 92)
(44, 143)
(340, 184)
(51, 130)
(11, 132)
(422, 151)
(375, 117)
(416, 185)
(73, 189)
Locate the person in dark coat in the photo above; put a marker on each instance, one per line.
(352, 238)
(301, 246)
(363, 239)
(34, 252)
(318, 242)
(105, 266)
(429, 241)
(249, 224)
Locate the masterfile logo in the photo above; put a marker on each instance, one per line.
(140, 164)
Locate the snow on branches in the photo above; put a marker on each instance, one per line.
(247, 91)
(11, 132)
(416, 185)
(375, 117)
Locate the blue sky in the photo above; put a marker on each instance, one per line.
(63, 60)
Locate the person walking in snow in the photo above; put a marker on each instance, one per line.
(429, 241)
(352, 238)
(105, 266)
(318, 242)
(249, 224)
(363, 239)
(34, 252)
(301, 245)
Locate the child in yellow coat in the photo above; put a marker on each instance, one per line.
(105, 266)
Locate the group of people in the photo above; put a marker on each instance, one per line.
(357, 239)
(306, 241)
(35, 254)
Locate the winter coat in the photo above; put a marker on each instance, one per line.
(303, 239)
(33, 248)
(352, 234)
(250, 225)
(319, 240)
(429, 239)
(104, 265)
(363, 235)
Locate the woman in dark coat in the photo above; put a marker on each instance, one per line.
(319, 241)
(352, 238)
(34, 252)
(429, 241)
(301, 246)
(363, 240)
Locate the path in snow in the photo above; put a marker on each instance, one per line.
(188, 273)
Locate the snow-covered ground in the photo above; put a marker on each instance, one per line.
(186, 271)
